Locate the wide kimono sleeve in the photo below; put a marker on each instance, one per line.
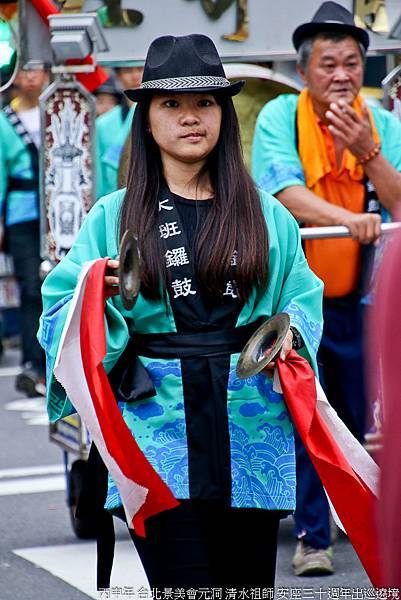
(96, 239)
(275, 161)
(300, 292)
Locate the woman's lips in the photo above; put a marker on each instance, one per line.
(193, 135)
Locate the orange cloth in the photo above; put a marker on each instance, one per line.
(335, 261)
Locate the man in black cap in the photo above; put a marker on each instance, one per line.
(331, 161)
(108, 95)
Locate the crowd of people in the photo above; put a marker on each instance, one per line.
(219, 253)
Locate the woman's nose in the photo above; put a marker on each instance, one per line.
(189, 118)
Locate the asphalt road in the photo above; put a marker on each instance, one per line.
(40, 557)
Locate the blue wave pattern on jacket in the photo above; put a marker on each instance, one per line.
(165, 446)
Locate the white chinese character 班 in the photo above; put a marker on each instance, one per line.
(168, 230)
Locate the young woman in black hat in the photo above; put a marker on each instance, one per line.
(217, 259)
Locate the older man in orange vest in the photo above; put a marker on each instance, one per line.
(331, 161)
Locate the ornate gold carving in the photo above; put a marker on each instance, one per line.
(242, 31)
(371, 15)
(215, 8)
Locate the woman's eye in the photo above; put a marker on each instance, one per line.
(205, 102)
(171, 103)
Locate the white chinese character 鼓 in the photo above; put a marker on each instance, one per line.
(162, 204)
(182, 287)
(176, 257)
(168, 230)
(230, 289)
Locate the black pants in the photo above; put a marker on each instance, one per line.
(205, 543)
(23, 245)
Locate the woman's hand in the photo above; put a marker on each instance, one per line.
(285, 349)
(111, 283)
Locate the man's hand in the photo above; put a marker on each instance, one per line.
(111, 287)
(354, 132)
(364, 227)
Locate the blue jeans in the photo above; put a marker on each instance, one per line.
(340, 360)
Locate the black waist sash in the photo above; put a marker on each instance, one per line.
(22, 185)
(190, 345)
(130, 380)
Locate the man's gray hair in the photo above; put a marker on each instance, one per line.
(305, 49)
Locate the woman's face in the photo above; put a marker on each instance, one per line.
(185, 126)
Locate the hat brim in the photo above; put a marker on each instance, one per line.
(308, 30)
(138, 94)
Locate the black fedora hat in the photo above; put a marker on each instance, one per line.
(330, 17)
(188, 63)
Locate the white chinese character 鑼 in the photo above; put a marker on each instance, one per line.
(230, 289)
(168, 230)
(234, 258)
(182, 287)
(176, 257)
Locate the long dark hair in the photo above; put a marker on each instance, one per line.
(235, 221)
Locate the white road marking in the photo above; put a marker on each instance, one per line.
(32, 485)
(33, 410)
(76, 565)
(10, 371)
(30, 471)
(36, 419)
(29, 404)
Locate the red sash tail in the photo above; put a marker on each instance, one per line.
(353, 501)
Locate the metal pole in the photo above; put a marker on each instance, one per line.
(319, 233)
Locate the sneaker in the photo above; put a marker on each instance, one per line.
(29, 382)
(312, 561)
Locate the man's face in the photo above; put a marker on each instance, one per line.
(334, 71)
(105, 102)
(31, 82)
(130, 77)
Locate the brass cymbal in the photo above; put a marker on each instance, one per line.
(263, 346)
(129, 272)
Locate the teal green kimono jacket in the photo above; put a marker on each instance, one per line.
(111, 134)
(260, 430)
(16, 162)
